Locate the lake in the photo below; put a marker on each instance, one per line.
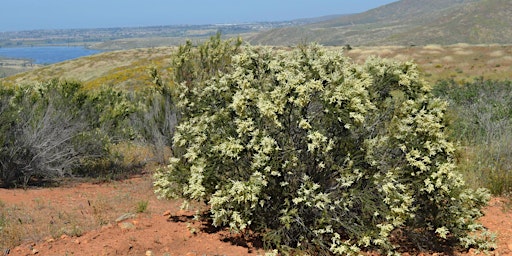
(46, 54)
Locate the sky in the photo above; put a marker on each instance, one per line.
(16, 15)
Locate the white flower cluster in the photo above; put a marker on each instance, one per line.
(319, 152)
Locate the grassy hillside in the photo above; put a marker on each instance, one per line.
(128, 68)
(458, 62)
(407, 22)
(124, 69)
(486, 21)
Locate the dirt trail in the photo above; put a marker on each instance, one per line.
(161, 229)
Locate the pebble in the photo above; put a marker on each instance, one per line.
(126, 225)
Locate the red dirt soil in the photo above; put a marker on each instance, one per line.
(164, 230)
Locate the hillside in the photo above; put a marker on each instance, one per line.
(484, 22)
(406, 22)
(124, 69)
(129, 68)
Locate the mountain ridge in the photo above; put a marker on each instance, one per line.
(406, 22)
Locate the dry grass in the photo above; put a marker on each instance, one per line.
(128, 68)
(72, 210)
(464, 52)
(435, 47)
(9, 67)
(461, 62)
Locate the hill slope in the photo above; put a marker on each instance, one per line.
(128, 69)
(123, 69)
(406, 22)
(483, 22)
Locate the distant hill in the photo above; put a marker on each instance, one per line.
(406, 22)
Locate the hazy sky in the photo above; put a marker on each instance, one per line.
(55, 14)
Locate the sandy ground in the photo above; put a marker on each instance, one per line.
(162, 229)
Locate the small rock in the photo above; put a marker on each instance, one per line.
(35, 251)
(77, 241)
(167, 213)
(126, 225)
(125, 217)
(149, 253)
(64, 236)
(190, 254)
(108, 226)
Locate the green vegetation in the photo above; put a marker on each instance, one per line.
(482, 124)
(44, 133)
(315, 153)
(142, 206)
(56, 129)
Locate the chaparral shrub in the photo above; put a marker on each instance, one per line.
(44, 133)
(317, 153)
(53, 129)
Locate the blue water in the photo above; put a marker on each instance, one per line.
(47, 54)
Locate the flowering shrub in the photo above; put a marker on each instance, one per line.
(319, 154)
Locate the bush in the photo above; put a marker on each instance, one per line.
(156, 119)
(319, 154)
(45, 134)
(56, 128)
